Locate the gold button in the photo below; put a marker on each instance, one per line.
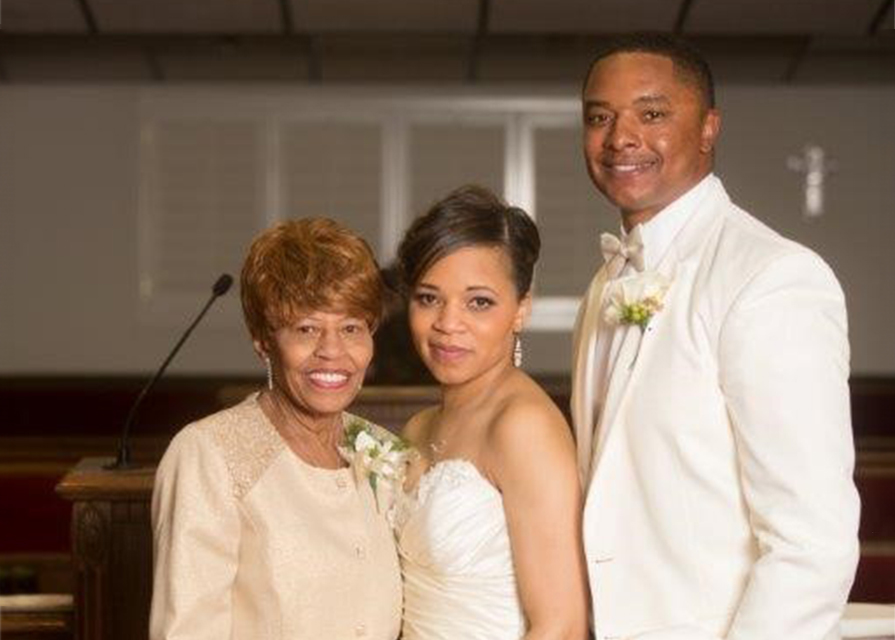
(341, 482)
(361, 552)
(360, 630)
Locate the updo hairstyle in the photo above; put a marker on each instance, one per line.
(470, 216)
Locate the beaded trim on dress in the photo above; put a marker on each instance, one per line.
(249, 443)
(452, 471)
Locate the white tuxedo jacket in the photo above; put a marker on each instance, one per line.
(718, 469)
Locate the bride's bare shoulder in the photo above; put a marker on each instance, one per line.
(416, 430)
(529, 413)
(529, 432)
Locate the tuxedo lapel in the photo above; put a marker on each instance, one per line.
(584, 385)
(632, 354)
(636, 346)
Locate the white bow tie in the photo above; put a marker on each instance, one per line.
(629, 249)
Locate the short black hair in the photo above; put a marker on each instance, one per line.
(468, 217)
(689, 63)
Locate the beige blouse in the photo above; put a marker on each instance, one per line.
(252, 543)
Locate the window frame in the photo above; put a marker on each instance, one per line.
(396, 112)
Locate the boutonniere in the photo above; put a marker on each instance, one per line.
(634, 300)
(377, 456)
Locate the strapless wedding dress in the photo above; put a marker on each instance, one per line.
(459, 582)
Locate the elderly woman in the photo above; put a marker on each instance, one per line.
(261, 531)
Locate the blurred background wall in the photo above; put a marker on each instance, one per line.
(141, 147)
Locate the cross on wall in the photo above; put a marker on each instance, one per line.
(814, 165)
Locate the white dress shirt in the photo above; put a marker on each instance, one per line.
(657, 234)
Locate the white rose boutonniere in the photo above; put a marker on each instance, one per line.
(635, 299)
(377, 456)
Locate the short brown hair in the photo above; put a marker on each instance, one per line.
(467, 217)
(307, 265)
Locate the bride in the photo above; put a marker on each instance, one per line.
(490, 537)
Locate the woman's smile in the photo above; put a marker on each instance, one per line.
(326, 379)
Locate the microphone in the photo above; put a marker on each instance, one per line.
(123, 461)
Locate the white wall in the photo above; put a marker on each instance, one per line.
(857, 129)
(68, 247)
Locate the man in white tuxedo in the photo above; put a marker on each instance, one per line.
(710, 384)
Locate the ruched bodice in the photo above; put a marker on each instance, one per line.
(459, 582)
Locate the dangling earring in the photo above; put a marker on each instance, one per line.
(269, 373)
(517, 350)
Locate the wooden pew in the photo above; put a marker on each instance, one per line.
(875, 479)
(36, 617)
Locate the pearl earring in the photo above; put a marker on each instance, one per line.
(269, 373)
(517, 350)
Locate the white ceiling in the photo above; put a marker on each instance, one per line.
(431, 40)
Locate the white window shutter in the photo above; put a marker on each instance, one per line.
(571, 213)
(334, 169)
(204, 202)
(447, 155)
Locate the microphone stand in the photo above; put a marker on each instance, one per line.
(123, 460)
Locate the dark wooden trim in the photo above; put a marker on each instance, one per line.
(736, 44)
(91, 481)
(38, 624)
(88, 412)
(111, 549)
(288, 23)
(315, 60)
(31, 455)
(682, 14)
(483, 22)
(877, 23)
(795, 63)
(89, 16)
(48, 572)
(156, 72)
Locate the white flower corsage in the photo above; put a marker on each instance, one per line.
(377, 456)
(634, 300)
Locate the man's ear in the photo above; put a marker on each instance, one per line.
(711, 129)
